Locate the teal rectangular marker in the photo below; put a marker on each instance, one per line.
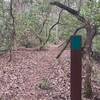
(76, 42)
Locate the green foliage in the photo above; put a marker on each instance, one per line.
(92, 11)
(45, 85)
(5, 28)
(31, 19)
(97, 44)
(25, 22)
(69, 25)
(88, 91)
(26, 42)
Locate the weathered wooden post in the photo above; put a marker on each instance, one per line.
(76, 63)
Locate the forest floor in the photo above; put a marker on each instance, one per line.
(38, 75)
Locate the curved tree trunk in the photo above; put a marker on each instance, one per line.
(91, 32)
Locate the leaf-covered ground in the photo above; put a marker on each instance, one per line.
(37, 75)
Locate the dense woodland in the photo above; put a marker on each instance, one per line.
(31, 22)
(41, 29)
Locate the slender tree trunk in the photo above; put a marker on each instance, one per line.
(87, 81)
(91, 32)
(13, 33)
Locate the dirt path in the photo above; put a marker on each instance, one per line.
(35, 75)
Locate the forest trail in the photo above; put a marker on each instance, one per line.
(20, 78)
(35, 75)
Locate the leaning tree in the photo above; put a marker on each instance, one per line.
(91, 32)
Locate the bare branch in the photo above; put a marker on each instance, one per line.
(43, 24)
(68, 41)
(54, 25)
(51, 29)
(70, 10)
(58, 21)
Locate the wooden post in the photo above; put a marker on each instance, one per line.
(76, 63)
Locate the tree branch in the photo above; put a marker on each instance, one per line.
(43, 24)
(70, 10)
(68, 41)
(52, 28)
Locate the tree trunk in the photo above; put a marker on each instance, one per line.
(87, 81)
(91, 32)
